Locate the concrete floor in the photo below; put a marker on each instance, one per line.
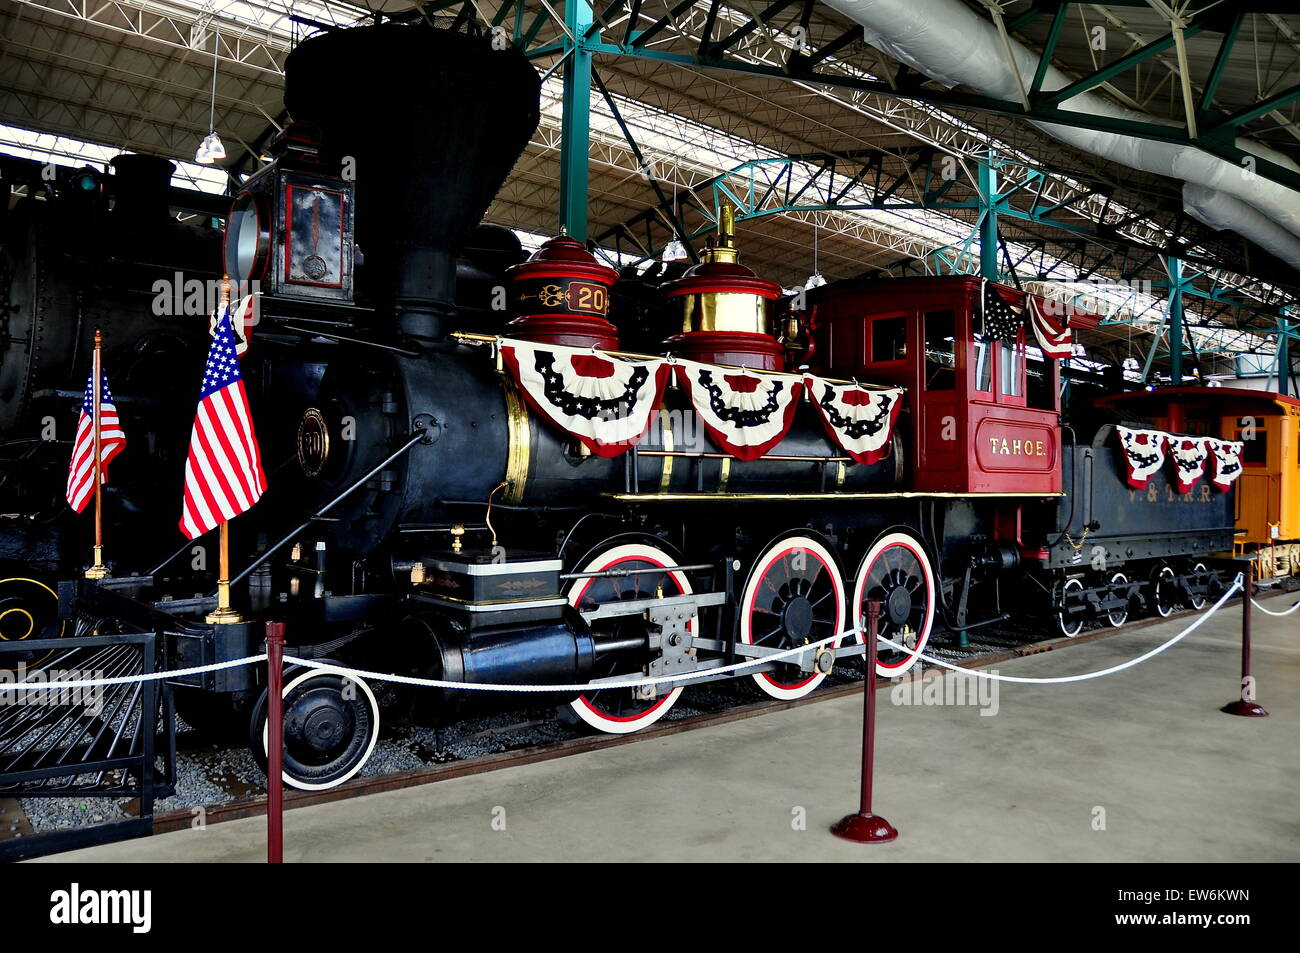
(1146, 752)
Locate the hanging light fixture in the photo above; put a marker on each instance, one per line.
(210, 149)
(674, 251)
(815, 280)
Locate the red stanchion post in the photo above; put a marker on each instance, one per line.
(865, 827)
(1246, 704)
(274, 743)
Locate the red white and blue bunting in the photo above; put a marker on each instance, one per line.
(608, 402)
(604, 401)
(746, 414)
(1189, 455)
(1144, 454)
(1226, 456)
(861, 421)
(1192, 458)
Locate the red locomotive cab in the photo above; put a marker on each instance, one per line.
(984, 402)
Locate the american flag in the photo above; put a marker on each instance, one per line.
(223, 475)
(1054, 337)
(81, 470)
(1001, 321)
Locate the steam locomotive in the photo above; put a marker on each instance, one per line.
(427, 514)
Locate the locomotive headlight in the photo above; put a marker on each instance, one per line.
(248, 239)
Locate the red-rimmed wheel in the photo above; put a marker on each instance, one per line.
(897, 572)
(795, 595)
(620, 710)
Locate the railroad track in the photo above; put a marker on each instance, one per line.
(724, 703)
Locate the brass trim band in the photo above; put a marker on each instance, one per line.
(666, 430)
(517, 454)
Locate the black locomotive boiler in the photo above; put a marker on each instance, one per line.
(426, 517)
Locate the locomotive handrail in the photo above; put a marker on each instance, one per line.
(268, 553)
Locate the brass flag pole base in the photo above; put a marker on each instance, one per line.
(99, 570)
(224, 614)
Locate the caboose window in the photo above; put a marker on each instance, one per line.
(888, 339)
(940, 351)
(1254, 451)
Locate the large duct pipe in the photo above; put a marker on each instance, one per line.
(1220, 210)
(952, 44)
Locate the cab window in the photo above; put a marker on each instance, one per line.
(984, 364)
(940, 351)
(1038, 385)
(888, 339)
(1011, 365)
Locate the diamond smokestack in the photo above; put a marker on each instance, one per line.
(433, 121)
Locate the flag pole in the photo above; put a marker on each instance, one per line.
(225, 613)
(98, 570)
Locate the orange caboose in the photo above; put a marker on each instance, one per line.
(1268, 424)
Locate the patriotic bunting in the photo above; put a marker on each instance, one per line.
(604, 401)
(747, 414)
(608, 402)
(1144, 454)
(859, 420)
(1226, 455)
(1189, 455)
(1192, 458)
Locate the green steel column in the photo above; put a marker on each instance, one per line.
(987, 187)
(1175, 321)
(575, 127)
(1284, 333)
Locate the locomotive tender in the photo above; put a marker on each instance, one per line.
(426, 514)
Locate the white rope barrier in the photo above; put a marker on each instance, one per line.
(581, 687)
(127, 679)
(1063, 679)
(1260, 607)
(627, 683)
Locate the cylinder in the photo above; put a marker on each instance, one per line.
(557, 653)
